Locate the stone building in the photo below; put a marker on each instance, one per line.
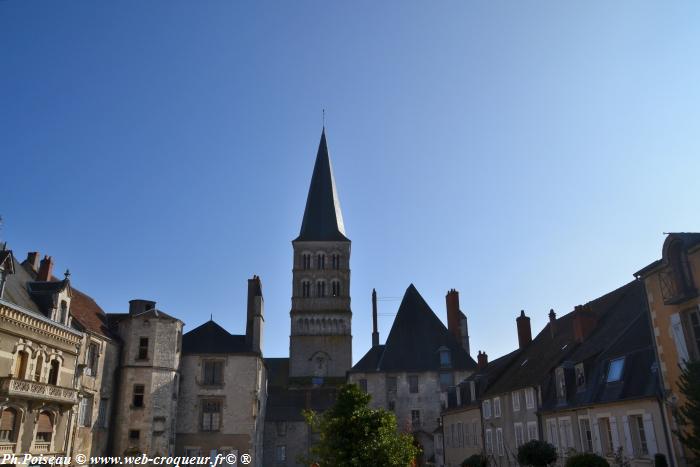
(672, 285)
(411, 373)
(320, 350)
(149, 371)
(222, 394)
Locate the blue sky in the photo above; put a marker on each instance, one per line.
(528, 154)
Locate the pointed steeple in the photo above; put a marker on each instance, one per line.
(323, 220)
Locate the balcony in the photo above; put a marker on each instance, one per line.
(23, 389)
(41, 447)
(7, 448)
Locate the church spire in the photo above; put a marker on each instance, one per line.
(323, 220)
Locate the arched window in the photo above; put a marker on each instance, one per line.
(37, 370)
(8, 425)
(21, 364)
(44, 429)
(306, 261)
(53, 372)
(321, 261)
(335, 288)
(320, 289)
(306, 289)
(336, 261)
(64, 312)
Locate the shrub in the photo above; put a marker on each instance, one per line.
(537, 453)
(477, 460)
(586, 460)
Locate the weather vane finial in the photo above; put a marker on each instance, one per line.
(324, 119)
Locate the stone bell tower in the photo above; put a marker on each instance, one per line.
(321, 338)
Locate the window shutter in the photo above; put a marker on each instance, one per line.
(44, 423)
(679, 338)
(650, 434)
(628, 436)
(7, 423)
(613, 430)
(596, 437)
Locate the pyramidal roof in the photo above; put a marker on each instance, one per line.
(414, 341)
(323, 220)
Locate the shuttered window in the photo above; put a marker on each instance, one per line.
(44, 428)
(7, 425)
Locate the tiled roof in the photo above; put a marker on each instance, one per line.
(88, 313)
(211, 338)
(323, 220)
(414, 341)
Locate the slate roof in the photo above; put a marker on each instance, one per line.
(284, 404)
(16, 289)
(210, 338)
(414, 340)
(277, 371)
(539, 358)
(323, 219)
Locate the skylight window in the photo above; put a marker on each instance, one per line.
(615, 369)
(565, 346)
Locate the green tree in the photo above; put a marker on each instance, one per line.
(477, 460)
(537, 453)
(351, 434)
(586, 460)
(689, 413)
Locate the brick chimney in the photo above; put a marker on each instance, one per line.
(524, 331)
(255, 320)
(585, 322)
(45, 269)
(456, 321)
(33, 260)
(552, 322)
(482, 360)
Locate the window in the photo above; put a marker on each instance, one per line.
(486, 408)
(460, 435)
(321, 261)
(336, 261)
(415, 419)
(475, 434)
(8, 426)
(606, 435)
(363, 385)
(134, 434)
(586, 434)
(499, 440)
(413, 384)
(445, 358)
(691, 323)
(391, 384)
(532, 432)
(137, 398)
(615, 370)
(561, 384)
(519, 434)
(552, 432)
(335, 288)
(489, 441)
(320, 289)
(392, 405)
(306, 261)
(446, 380)
(580, 377)
(93, 354)
(39, 366)
(53, 372)
(211, 415)
(451, 438)
(639, 436)
(102, 413)
(281, 453)
(306, 289)
(497, 407)
(213, 373)
(516, 400)
(530, 398)
(21, 364)
(566, 433)
(63, 313)
(85, 411)
(44, 429)
(143, 348)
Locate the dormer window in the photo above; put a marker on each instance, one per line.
(580, 377)
(445, 357)
(561, 384)
(63, 312)
(615, 370)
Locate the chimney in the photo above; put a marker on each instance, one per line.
(45, 269)
(456, 321)
(375, 332)
(552, 322)
(33, 260)
(255, 320)
(138, 306)
(482, 360)
(585, 322)
(524, 331)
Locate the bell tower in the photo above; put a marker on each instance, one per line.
(321, 339)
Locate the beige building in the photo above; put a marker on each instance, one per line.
(672, 285)
(222, 397)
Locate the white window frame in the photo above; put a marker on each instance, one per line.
(497, 413)
(515, 395)
(499, 441)
(530, 426)
(518, 429)
(530, 398)
(486, 408)
(584, 442)
(553, 432)
(489, 441)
